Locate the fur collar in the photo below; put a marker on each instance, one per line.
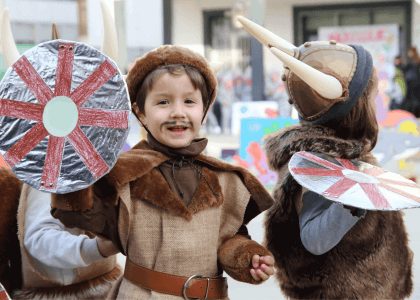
(137, 167)
(283, 144)
(208, 193)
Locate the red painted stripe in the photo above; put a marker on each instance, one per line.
(64, 69)
(4, 295)
(52, 164)
(103, 118)
(32, 138)
(400, 192)
(317, 172)
(91, 158)
(338, 188)
(375, 196)
(397, 182)
(347, 164)
(21, 110)
(99, 77)
(32, 79)
(322, 162)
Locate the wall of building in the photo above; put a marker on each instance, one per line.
(415, 25)
(32, 20)
(188, 21)
(143, 23)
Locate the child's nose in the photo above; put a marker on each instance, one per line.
(178, 111)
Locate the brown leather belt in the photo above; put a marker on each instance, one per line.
(195, 286)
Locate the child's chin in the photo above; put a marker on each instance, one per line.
(178, 143)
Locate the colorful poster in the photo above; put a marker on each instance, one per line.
(251, 149)
(382, 41)
(252, 109)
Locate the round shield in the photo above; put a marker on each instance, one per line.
(64, 111)
(353, 182)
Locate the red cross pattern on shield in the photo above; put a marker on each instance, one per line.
(353, 182)
(64, 115)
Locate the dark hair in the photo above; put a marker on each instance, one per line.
(360, 123)
(193, 74)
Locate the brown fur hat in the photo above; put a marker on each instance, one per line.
(168, 55)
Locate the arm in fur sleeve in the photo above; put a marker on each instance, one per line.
(94, 209)
(235, 256)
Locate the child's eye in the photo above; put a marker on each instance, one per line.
(163, 102)
(189, 101)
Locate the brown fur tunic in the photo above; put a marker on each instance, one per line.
(149, 210)
(10, 264)
(372, 261)
(13, 262)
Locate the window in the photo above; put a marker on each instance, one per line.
(307, 19)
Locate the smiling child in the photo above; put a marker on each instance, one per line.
(179, 216)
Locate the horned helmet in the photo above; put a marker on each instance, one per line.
(324, 79)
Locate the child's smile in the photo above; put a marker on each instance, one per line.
(173, 110)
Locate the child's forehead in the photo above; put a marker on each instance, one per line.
(169, 82)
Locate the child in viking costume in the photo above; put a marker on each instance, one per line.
(323, 249)
(59, 262)
(39, 256)
(179, 216)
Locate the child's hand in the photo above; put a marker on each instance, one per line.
(262, 267)
(106, 247)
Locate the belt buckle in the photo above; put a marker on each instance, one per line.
(187, 285)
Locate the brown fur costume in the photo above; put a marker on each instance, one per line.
(11, 259)
(372, 261)
(9, 245)
(138, 167)
(101, 287)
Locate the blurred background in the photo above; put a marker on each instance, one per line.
(252, 101)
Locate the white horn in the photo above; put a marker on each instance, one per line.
(266, 37)
(325, 85)
(110, 41)
(8, 45)
(54, 32)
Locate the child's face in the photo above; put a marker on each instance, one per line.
(173, 110)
